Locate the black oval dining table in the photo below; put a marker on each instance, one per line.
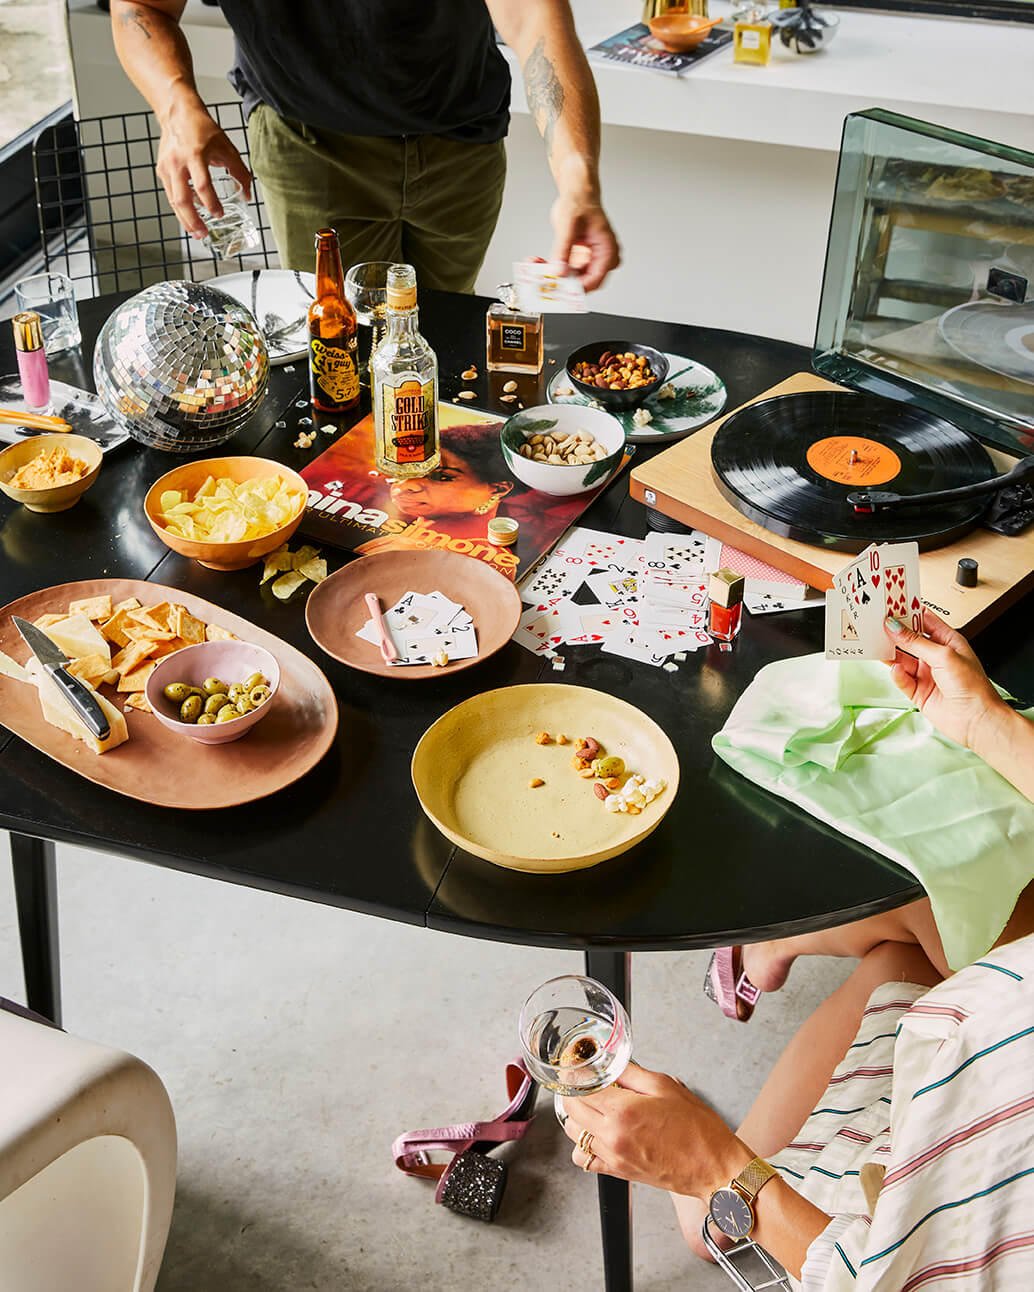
(730, 863)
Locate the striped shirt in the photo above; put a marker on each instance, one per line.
(951, 1132)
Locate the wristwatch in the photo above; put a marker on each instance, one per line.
(732, 1208)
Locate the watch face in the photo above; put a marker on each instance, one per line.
(731, 1212)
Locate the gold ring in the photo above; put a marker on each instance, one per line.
(587, 1164)
(585, 1141)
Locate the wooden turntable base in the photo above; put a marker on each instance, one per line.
(680, 483)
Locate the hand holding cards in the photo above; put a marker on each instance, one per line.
(882, 583)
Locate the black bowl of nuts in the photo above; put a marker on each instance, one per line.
(620, 374)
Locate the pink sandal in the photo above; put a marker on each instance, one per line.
(472, 1183)
(729, 987)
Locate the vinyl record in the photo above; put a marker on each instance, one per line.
(789, 463)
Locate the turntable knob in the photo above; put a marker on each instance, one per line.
(966, 573)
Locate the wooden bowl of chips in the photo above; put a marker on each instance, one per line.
(231, 526)
(56, 497)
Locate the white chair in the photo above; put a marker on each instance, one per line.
(87, 1163)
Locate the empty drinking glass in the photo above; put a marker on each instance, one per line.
(233, 232)
(366, 288)
(51, 296)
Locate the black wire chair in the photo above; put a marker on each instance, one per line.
(104, 218)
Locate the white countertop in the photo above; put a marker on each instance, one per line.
(974, 76)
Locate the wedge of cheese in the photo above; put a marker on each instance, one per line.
(77, 637)
(11, 668)
(59, 713)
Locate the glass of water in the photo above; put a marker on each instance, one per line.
(233, 232)
(576, 1037)
(52, 297)
(366, 287)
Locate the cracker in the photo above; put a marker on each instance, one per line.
(93, 608)
(213, 633)
(47, 621)
(137, 700)
(191, 630)
(114, 630)
(137, 680)
(130, 603)
(133, 655)
(91, 668)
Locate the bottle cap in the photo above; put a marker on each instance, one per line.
(502, 531)
(28, 331)
(966, 573)
(400, 293)
(726, 588)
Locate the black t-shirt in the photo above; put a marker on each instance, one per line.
(373, 67)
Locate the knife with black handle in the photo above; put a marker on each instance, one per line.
(54, 662)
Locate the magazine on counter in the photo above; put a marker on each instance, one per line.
(635, 47)
(354, 506)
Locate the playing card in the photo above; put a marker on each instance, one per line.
(680, 555)
(659, 589)
(900, 570)
(531, 632)
(656, 616)
(458, 644)
(561, 624)
(614, 588)
(759, 576)
(769, 603)
(618, 620)
(843, 640)
(667, 640)
(882, 582)
(559, 575)
(629, 646)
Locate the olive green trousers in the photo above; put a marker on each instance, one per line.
(428, 201)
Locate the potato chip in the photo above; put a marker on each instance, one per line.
(170, 498)
(276, 561)
(314, 569)
(287, 584)
(92, 607)
(304, 553)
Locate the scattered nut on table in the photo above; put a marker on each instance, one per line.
(561, 739)
(509, 387)
(535, 782)
(471, 374)
(467, 394)
(507, 399)
(599, 790)
(542, 738)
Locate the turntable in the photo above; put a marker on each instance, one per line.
(918, 420)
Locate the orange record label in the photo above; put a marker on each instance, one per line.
(853, 460)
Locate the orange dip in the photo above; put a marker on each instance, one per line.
(49, 469)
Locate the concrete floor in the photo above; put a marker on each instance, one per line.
(296, 1041)
(35, 68)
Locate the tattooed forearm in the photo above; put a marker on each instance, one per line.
(131, 16)
(545, 93)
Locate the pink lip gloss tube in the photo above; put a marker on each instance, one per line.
(32, 362)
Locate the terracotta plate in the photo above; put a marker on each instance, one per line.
(472, 767)
(156, 765)
(336, 610)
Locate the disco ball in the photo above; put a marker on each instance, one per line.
(181, 366)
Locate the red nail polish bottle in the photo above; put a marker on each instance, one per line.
(726, 593)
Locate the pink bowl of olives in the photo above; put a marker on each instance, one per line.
(214, 692)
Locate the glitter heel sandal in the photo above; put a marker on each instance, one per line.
(472, 1183)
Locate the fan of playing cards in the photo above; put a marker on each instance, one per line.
(882, 583)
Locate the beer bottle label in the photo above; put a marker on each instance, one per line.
(409, 421)
(332, 366)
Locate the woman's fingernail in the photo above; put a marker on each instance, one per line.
(894, 626)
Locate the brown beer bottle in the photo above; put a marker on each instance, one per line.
(333, 375)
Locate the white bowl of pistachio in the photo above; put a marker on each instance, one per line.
(563, 448)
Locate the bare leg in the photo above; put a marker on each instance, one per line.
(767, 964)
(796, 1083)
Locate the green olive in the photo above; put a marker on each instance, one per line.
(235, 691)
(206, 720)
(255, 680)
(244, 705)
(211, 685)
(227, 714)
(177, 692)
(190, 709)
(259, 695)
(215, 702)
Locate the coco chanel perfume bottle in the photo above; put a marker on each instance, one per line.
(514, 335)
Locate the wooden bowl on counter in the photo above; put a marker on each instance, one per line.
(680, 32)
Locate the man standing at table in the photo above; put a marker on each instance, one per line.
(385, 120)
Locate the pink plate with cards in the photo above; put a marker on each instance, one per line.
(336, 611)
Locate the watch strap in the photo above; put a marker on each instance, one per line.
(753, 1177)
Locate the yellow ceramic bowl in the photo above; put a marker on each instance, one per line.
(58, 497)
(680, 32)
(473, 771)
(190, 477)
